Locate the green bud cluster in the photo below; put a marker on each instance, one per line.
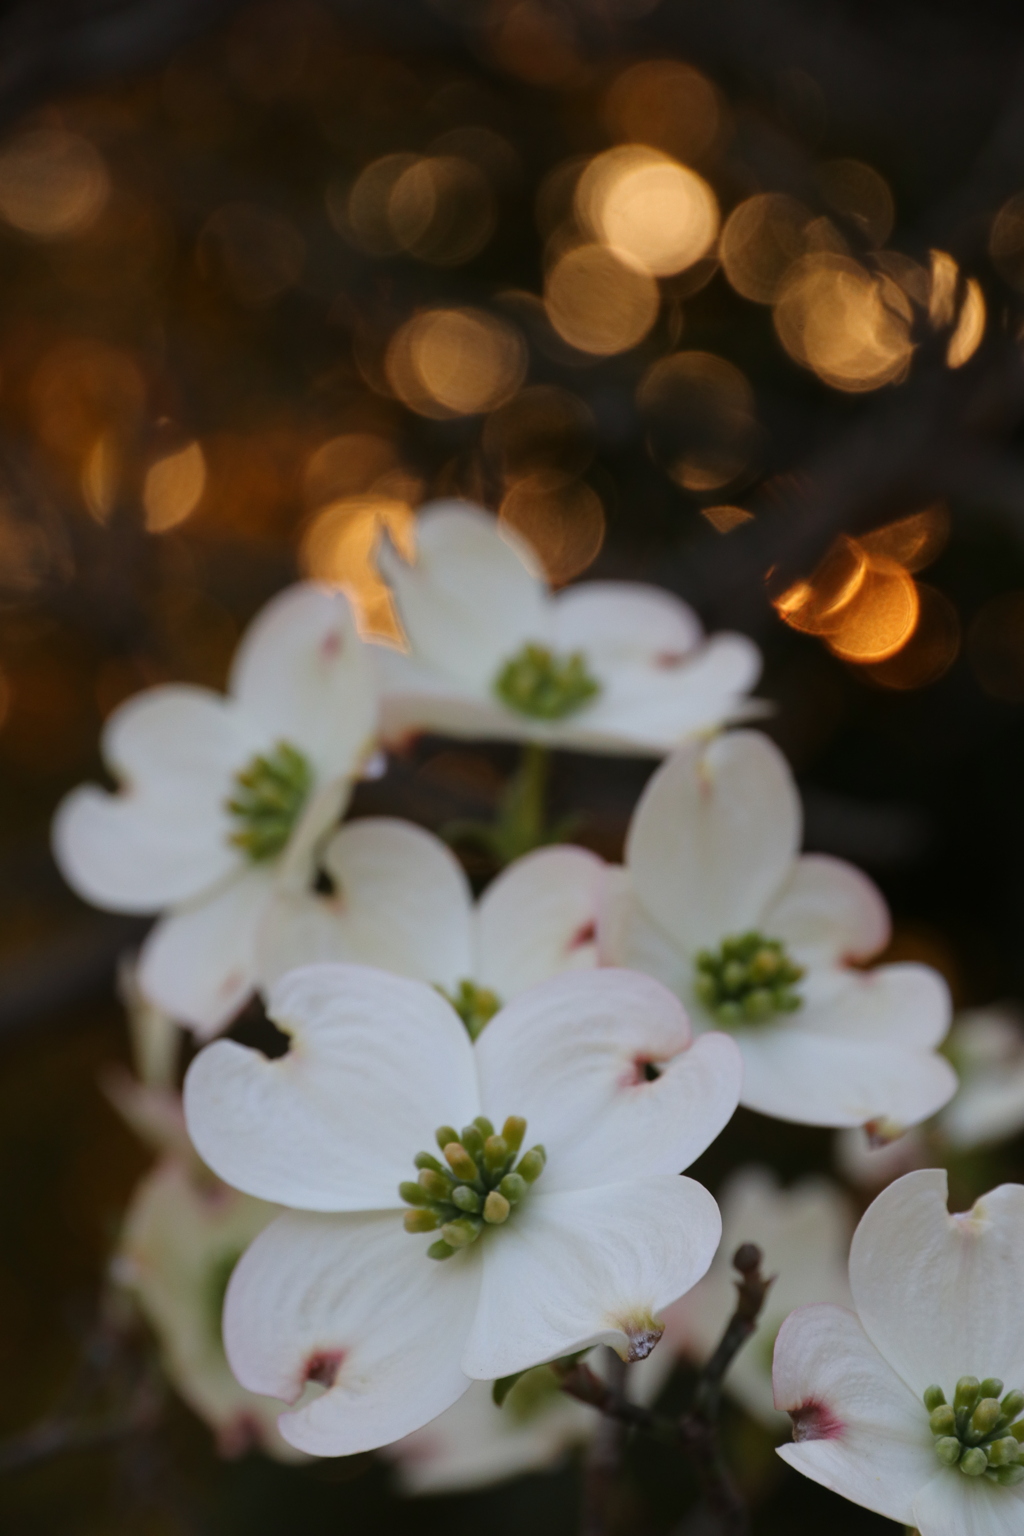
(537, 682)
(269, 795)
(479, 1188)
(746, 980)
(475, 1006)
(976, 1432)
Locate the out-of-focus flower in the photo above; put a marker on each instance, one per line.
(900, 1406)
(603, 667)
(599, 1065)
(804, 1234)
(401, 902)
(147, 1098)
(873, 1164)
(181, 1239)
(717, 902)
(223, 797)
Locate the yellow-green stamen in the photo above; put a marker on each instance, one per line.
(747, 980)
(977, 1433)
(539, 683)
(479, 1188)
(475, 1006)
(270, 793)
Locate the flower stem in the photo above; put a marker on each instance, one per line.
(520, 825)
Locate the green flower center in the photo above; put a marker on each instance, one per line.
(270, 793)
(977, 1433)
(475, 1006)
(479, 1188)
(537, 682)
(747, 980)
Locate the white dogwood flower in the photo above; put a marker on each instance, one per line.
(717, 902)
(804, 1234)
(581, 1239)
(222, 797)
(600, 667)
(181, 1239)
(401, 902)
(902, 1406)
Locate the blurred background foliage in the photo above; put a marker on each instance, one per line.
(725, 297)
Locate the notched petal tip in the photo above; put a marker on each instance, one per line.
(815, 1421)
(322, 1367)
(642, 1332)
(882, 1132)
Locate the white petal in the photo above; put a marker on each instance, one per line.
(713, 837)
(628, 936)
(954, 1505)
(569, 1056)
(813, 1079)
(858, 1429)
(908, 1004)
(200, 963)
(872, 1167)
(939, 1295)
(354, 1303)
(616, 622)
(588, 1266)
(165, 837)
(302, 673)
(537, 918)
(827, 912)
(988, 1108)
(376, 1064)
(472, 598)
(401, 903)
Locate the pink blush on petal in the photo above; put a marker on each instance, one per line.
(815, 1421)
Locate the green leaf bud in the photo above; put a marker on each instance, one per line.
(497, 1208)
(440, 1250)
(496, 1153)
(968, 1391)
(948, 1450)
(473, 1142)
(942, 1420)
(466, 1199)
(991, 1387)
(934, 1397)
(484, 1126)
(427, 1160)
(1012, 1404)
(1004, 1452)
(513, 1132)
(973, 1462)
(986, 1416)
(513, 1187)
(413, 1194)
(446, 1134)
(462, 1231)
(1008, 1477)
(460, 1162)
(531, 1164)
(420, 1221)
(436, 1186)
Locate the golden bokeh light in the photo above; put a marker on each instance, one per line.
(441, 210)
(848, 326)
(535, 43)
(942, 292)
(931, 650)
(598, 303)
(700, 418)
(861, 195)
(648, 208)
(339, 547)
(346, 465)
(1006, 240)
(52, 183)
(173, 488)
(880, 617)
(362, 214)
(724, 519)
(970, 326)
(543, 432)
(761, 239)
(995, 646)
(81, 390)
(455, 362)
(912, 542)
(667, 104)
(256, 252)
(816, 606)
(564, 523)
(101, 477)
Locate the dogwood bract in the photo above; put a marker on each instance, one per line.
(911, 1405)
(717, 902)
(402, 902)
(603, 667)
(505, 1258)
(222, 797)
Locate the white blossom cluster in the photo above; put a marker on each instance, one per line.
(469, 1162)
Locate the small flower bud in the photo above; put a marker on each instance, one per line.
(462, 1231)
(466, 1199)
(496, 1153)
(948, 1450)
(436, 1186)
(513, 1132)
(759, 1004)
(484, 1126)
(472, 1141)
(531, 1164)
(497, 1208)
(413, 1194)
(1017, 1430)
(728, 1013)
(973, 1462)
(1012, 1404)
(460, 1162)
(765, 964)
(942, 1420)
(513, 1188)
(1004, 1452)
(427, 1160)
(734, 974)
(968, 1391)
(991, 1387)
(440, 1250)
(1007, 1476)
(420, 1221)
(446, 1134)
(986, 1416)
(934, 1397)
